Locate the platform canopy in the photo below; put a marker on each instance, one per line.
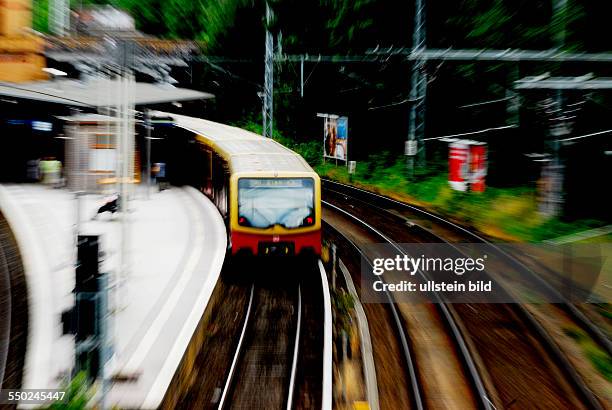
(97, 92)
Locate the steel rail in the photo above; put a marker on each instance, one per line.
(484, 400)
(326, 399)
(230, 377)
(369, 368)
(408, 356)
(296, 349)
(5, 311)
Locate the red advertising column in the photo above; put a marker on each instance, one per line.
(478, 165)
(458, 165)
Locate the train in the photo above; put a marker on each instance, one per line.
(268, 195)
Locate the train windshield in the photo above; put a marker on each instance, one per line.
(265, 202)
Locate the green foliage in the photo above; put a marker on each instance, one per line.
(184, 19)
(555, 228)
(347, 20)
(598, 357)
(40, 15)
(601, 360)
(604, 309)
(490, 23)
(343, 305)
(147, 14)
(78, 393)
(509, 213)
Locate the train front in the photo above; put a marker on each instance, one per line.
(275, 214)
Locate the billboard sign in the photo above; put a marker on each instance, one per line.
(467, 165)
(335, 137)
(458, 165)
(478, 166)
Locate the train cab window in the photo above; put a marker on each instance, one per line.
(266, 202)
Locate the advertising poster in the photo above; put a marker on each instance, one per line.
(335, 137)
(467, 165)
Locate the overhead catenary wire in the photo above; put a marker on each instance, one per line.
(585, 136)
(393, 104)
(478, 104)
(465, 134)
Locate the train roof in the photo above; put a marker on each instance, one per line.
(245, 151)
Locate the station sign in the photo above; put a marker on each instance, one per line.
(410, 148)
(352, 165)
(272, 182)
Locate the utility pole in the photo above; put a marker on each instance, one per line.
(302, 76)
(558, 128)
(418, 90)
(268, 93)
(127, 153)
(59, 17)
(513, 100)
(149, 126)
(123, 64)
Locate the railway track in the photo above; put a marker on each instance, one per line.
(13, 310)
(263, 370)
(458, 233)
(406, 350)
(554, 375)
(264, 341)
(5, 311)
(279, 359)
(416, 374)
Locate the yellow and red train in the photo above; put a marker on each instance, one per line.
(268, 195)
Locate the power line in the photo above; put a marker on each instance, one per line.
(378, 107)
(231, 74)
(485, 102)
(465, 134)
(585, 136)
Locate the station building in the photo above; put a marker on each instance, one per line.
(71, 114)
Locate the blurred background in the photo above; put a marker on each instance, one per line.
(494, 114)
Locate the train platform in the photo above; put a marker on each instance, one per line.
(175, 250)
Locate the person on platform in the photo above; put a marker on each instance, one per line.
(51, 171)
(159, 175)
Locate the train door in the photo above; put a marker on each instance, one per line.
(208, 168)
(220, 184)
